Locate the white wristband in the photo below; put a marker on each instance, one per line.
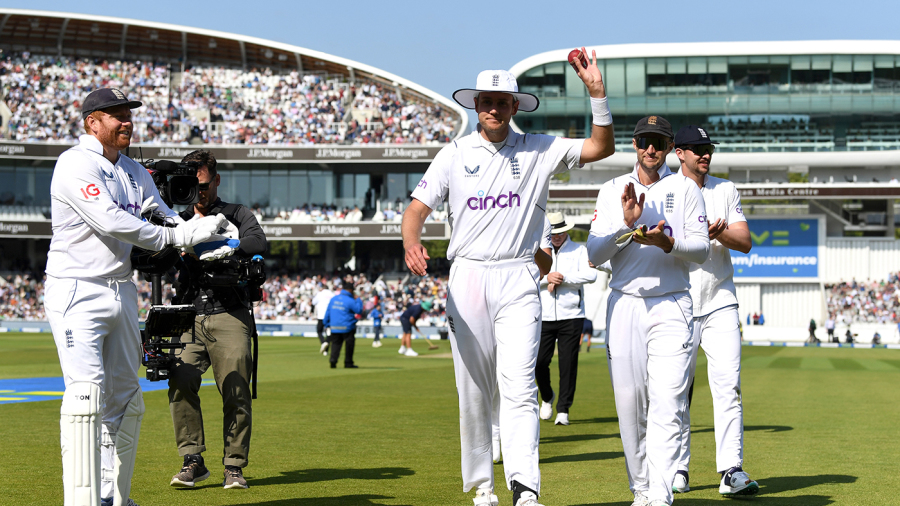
(600, 108)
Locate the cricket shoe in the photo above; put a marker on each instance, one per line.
(324, 348)
(640, 499)
(109, 502)
(234, 478)
(680, 485)
(736, 482)
(192, 471)
(547, 407)
(402, 349)
(376, 344)
(495, 448)
(410, 353)
(486, 497)
(562, 419)
(528, 499)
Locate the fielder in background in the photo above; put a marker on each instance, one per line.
(496, 182)
(716, 315)
(376, 315)
(650, 225)
(341, 319)
(320, 302)
(408, 320)
(562, 303)
(223, 329)
(97, 197)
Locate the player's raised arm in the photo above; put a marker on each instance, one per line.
(411, 229)
(601, 143)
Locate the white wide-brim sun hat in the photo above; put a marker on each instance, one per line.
(499, 81)
(558, 223)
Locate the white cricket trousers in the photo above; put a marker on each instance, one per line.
(649, 343)
(719, 335)
(95, 327)
(494, 313)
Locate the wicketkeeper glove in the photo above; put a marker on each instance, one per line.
(216, 248)
(196, 231)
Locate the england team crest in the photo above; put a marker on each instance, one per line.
(514, 169)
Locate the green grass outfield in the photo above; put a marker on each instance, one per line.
(821, 428)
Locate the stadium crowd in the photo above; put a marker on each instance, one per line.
(289, 297)
(865, 302)
(214, 105)
(285, 297)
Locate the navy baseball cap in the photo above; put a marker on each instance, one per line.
(692, 135)
(653, 125)
(104, 98)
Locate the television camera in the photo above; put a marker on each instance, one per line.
(177, 182)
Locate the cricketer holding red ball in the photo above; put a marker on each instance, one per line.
(496, 182)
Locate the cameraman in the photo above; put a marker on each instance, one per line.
(223, 330)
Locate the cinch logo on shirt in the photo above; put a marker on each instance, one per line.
(666, 230)
(423, 184)
(481, 203)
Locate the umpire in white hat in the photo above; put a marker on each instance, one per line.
(562, 303)
(496, 182)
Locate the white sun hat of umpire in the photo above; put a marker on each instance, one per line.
(501, 81)
(558, 223)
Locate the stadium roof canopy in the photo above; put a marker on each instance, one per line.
(90, 36)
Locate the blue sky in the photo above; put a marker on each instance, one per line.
(443, 45)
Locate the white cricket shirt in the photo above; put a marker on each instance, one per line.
(320, 301)
(712, 282)
(95, 210)
(566, 301)
(648, 271)
(497, 198)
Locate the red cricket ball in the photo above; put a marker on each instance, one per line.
(576, 53)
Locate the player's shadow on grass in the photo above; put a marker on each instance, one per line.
(346, 500)
(575, 438)
(805, 500)
(583, 457)
(750, 428)
(316, 475)
(777, 485)
(594, 420)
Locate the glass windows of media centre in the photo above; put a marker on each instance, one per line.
(724, 74)
(751, 103)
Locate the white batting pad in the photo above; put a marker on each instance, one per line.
(126, 447)
(79, 425)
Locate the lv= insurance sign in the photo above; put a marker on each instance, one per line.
(782, 248)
